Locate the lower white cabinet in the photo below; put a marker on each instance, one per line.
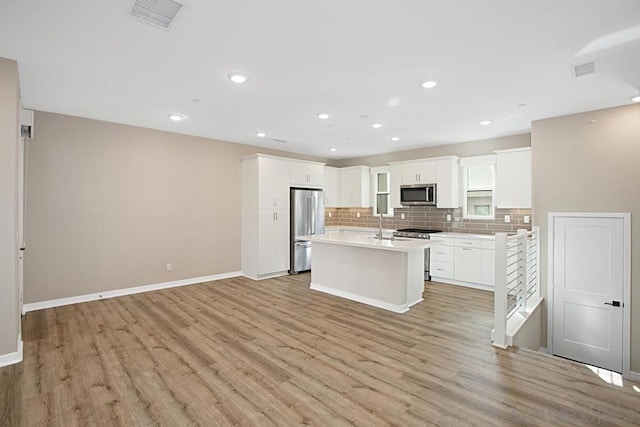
(488, 267)
(468, 264)
(273, 241)
(463, 261)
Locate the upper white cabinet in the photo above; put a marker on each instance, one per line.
(513, 178)
(273, 182)
(330, 186)
(307, 174)
(447, 182)
(442, 171)
(395, 180)
(354, 187)
(420, 172)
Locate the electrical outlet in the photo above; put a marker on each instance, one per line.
(357, 214)
(401, 216)
(448, 217)
(169, 266)
(526, 219)
(507, 218)
(329, 214)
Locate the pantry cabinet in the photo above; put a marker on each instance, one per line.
(265, 216)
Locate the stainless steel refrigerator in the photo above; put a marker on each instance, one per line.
(307, 217)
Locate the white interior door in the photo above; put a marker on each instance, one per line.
(21, 216)
(588, 283)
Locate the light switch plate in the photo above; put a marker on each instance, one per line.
(329, 214)
(448, 217)
(401, 216)
(526, 219)
(507, 218)
(357, 214)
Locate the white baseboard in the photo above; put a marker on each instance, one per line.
(364, 300)
(265, 276)
(461, 283)
(127, 291)
(12, 358)
(633, 376)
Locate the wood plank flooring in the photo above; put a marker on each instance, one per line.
(238, 352)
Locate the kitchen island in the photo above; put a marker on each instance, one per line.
(386, 273)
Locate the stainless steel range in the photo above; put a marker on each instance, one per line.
(418, 233)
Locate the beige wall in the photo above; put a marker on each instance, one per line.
(109, 205)
(585, 167)
(463, 149)
(9, 139)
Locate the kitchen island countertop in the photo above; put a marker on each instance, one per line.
(370, 241)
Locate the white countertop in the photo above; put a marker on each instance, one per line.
(465, 236)
(386, 231)
(363, 240)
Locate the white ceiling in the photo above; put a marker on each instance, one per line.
(347, 58)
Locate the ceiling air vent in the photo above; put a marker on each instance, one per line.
(584, 69)
(159, 13)
(279, 140)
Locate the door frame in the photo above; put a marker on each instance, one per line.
(626, 309)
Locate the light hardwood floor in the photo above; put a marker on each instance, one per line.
(238, 352)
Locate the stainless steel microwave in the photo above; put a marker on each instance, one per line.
(418, 194)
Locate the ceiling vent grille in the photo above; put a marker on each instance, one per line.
(279, 140)
(159, 13)
(584, 69)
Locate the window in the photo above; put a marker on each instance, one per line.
(479, 191)
(381, 192)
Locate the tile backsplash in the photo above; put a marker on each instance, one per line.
(430, 217)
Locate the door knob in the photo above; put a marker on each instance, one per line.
(614, 303)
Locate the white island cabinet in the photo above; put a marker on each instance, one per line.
(383, 273)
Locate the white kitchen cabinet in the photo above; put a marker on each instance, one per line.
(420, 172)
(488, 267)
(447, 182)
(264, 216)
(273, 183)
(354, 187)
(513, 178)
(395, 180)
(468, 264)
(306, 174)
(464, 261)
(273, 240)
(330, 186)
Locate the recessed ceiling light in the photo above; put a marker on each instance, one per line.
(636, 98)
(261, 134)
(333, 149)
(176, 117)
(429, 84)
(237, 77)
(485, 122)
(395, 138)
(323, 116)
(376, 125)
